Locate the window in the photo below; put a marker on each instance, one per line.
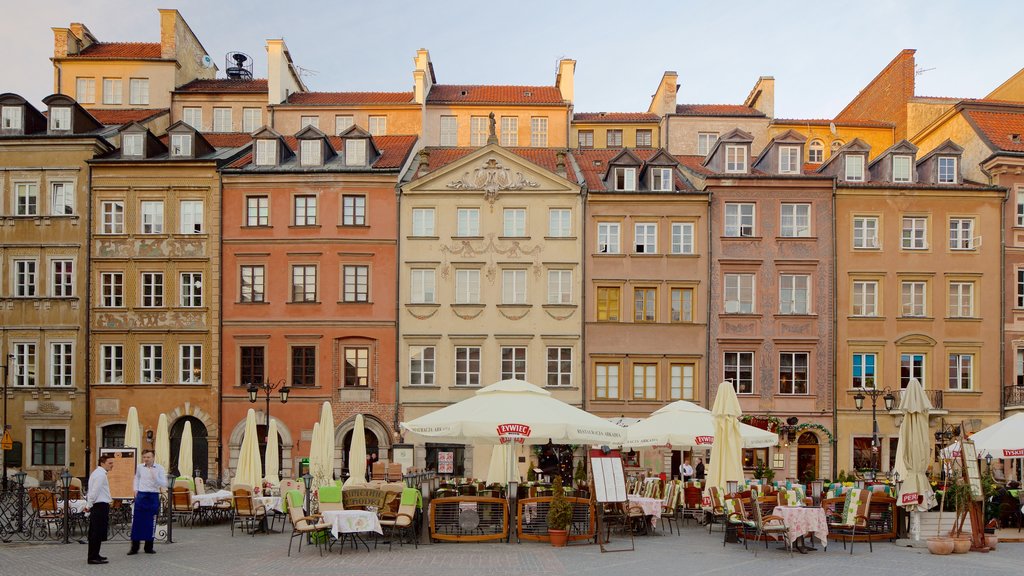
(449, 131)
(1020, 207)
(865, 298)
(915, 233)
(152, 216)
(961, 234)
(854, 168)
(816, 152)
(625, 179)
(513, 287)
(222, 119)
(793, 373)
(682, 305)
(138, 91)
(357, 367)
(913, 298)
(112, 92)
(60, 118)
(467, 286)
(644, 138)
(645, 381)
(191, 289)
(912, 366)
(836, 145)
(509, 131)
(62, 199)
(378, 125)
(305, 209)
(62, 275)
(538, 132)
(682, 238)
(311, 152)
(515, 222)
(257, 211)
(25, 278)
(250, 365)
(608, 237)
(26, 198)
(585, 138)
(49, 447)
(739, 293)
(313, 121)
(62, 364)
(151, 364)
(266, 152)
(559, 222)
(421, 365)
(193, 116)
(304, 366)
(303, 283)
(1020, 288)
(661, 179)
(152, 289)
(796, 220)
(181, 144)
(607, 304)
(735, 158)
(11, 117)
(705, 142)
(645, 304)
(423, 222)
(478, 127)
(112, 364)
(961, 299)
(789, 159)
(559, 366)
(424, 290)
(794, 291)
(606, 377)
(24, 364)
(739, 369)
(901, 168)
(739, 219)
(342, 123)
(960, 371)
(85, 90)
(645, 238)
(112, 290)
(681, 382)
(864, 451)
(131, 145)
(252, 284)
(191, 221)
(947, 169)
(112, 213)
(190, 363)
(468, 222)
(513, 362)
(252, 119)
(865, 232)
(353, 210)
(613, 138)
(467, 365)
(559, 286)
(864, 370)
(356, 280)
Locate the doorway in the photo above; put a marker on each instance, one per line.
(807, 457)
(372, 451)
(200, 445)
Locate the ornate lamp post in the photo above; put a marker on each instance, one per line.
(307, 479)
(268, 389)
(19, 477)
(65, 483)
(170, 507)
(890, 403)
(7, 425)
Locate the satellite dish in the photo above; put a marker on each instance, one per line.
(832, 128)
(206, 61)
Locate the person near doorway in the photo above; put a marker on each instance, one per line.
(699, 470)
(686, 471)
(150, 478)
(98, 506)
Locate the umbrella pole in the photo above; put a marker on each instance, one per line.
(915, 524)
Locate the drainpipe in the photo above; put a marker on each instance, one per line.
(585, 397)
(88, 322)
(398, 300)
(835, 325)
(220, 325)
(1002, 294)
(707, 307)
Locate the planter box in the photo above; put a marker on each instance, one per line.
(930, 524)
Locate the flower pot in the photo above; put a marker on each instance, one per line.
(940, 545)
(558, 537)
(961, 544)
(991, 540)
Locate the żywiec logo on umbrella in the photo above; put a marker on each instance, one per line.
(517, 433)
(1013, 452)
(701, 440)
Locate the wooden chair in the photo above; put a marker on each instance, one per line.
(181, 506)
(302, 526)
(736, 518)
(378, 471)
(691, 503)
(45, 513)
(246, 513)
(769, 527)
(716, 515)
(401, 523)
(200, 485)
(670, 505)
(330, 498)
(852, 517)
(793, 498)
(394, 472)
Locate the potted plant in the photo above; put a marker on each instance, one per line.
(559, 515)
(581, 475)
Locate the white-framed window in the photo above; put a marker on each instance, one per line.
(560, 222)
(60, 118)
(538, 132)
(961, 234)
(912, 366)
(467, 365)
(645, 238)
(1020, 207)
(138, 91)
(681, 382)
(10, 117)
(449, 131)
(735, 158)
(181, 145)
(606, 381)
(739, 293)
(112, 215)
(378, 125)
(467, 286)
(190, 363)
(816, 152)
(513, 286)
(645, 304)
(608, 237)
(303, 283)
(191, 220)
(252, 119)
(62, 198)
(311, 152)
(913, 298)
(789, 159)
(151, 363)
(478, 126)
(467, 222)
(342, 123)
(661, 179)
(424, 288)
(681, 305)
(902, 168)
(559, 286)
(865, 298)
(946, 166)
(915, 233)
(193, 116)
(706, 141)
(62, 364)
(613, 138)
(559, 366)
(152, 290)
(739, 369)
(112, 364)
(836, 145)
(423, 222)
(1018, 371)
(26, 199)
(305, 209)
(739, 219)
(625, 179)
(854, 167)
(355, 152)
(257, 211)
(152, 216)
(1020, 288)
(313, 121)
(85, 90)
(62, 278)
(863, 374)
(682, 238)
(353, 210)
(222, 119)
(421, 365)
(252, 283)
(191, 289)
(25, 368)
(131, 145)
(266, 152)
(865, 233)
(585, 138)
(644, 138)
(357, 367)
(793, 372)
(25, 272)
(961, 371)
(112, 289)
(514, 222)
(112, 91)
(961, 299)
(513, 362)
(794, 294)
(796, 220)
(509, 131)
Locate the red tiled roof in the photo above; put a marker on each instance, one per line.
(227, 139)
(717, 110)
(494, 94)
(129, 50)
(826, 122)
(546, 158)
(998, 126)
(350, 98)
(593, 164)
(695, 164)
(125, 116)
(225, 85)
(616, 117)
(242, 161)
(394, 149)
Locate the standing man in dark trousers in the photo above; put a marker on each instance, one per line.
(98, 505)
(150, 478)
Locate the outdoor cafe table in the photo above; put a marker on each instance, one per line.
(211, 498)
(351, 522)
(650, 506)
(803, 520)
(268, 502)
(77, 506)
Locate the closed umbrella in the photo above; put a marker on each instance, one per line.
(315, 469)
(132, 432)
(501, 459)
(686, 425)
(270, 459)
(727, 448)
(247, 471)
(185, 451)
(162, 450)
(913, 453)
(327, 440)
(357, 454)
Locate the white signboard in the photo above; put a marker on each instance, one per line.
(609, 481)
(445, 462)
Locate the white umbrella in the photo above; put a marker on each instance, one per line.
(501, 463)
(1004, 439)
(327, 440)
(685, 425)
(132, 432)
(185, 451)
(913, 454)
(162, 449)
(727, 448)
(272, 466)
(315, 468)
(247, 471)
(357, 454)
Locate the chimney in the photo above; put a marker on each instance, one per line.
(422, 75)
(282, 77)
(762, 96)
(560, 164)
(664, 100)
(565, 80)
(169, 22)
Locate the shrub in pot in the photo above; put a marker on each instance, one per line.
(559, 515)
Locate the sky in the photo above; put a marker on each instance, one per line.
(820, 53)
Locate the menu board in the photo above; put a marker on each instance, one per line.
(122, 476)
(609, 481)
(972, 470)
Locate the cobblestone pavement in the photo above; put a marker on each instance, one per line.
(212, 550)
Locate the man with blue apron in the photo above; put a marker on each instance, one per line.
(150, 478)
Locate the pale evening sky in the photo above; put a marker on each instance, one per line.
(820, 53)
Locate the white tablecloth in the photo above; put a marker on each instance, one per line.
(351, 521)
(268, 502)
(77, 506)
(651, 506)
(210, 498)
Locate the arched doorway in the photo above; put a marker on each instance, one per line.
(807, 457)
(372, 450)
(200, 446)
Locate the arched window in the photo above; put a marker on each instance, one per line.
(837, 144)
(112, 436)
(816, 152)
(807, 439)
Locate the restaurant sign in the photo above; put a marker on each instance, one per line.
(517, 433)
(1013, 452)
(909, 498)
(704, 440)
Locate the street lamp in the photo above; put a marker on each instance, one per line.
(268, 388)
(988, 460)
(7, 425)
(890, 403)
(307, 479)
(19, 477)
(65, 483)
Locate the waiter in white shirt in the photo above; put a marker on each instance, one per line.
(98, 505)
(150, 478)
(686, 471)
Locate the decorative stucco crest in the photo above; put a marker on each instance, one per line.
(492, 178)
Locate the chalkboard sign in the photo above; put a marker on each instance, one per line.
(971, 469)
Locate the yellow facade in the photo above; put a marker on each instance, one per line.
(880, 138)
(627, 135)
(555, 136)
(287, 119)
(206, 103)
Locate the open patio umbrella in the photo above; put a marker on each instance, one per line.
(315, 468)
(727, 448)
(327, 440)
(271, 465)
(357, 454)
(247, 471)
(685, 425)
(1004, 439)
(913, 453)
(132, 432)
(162, 447)
(185, 451)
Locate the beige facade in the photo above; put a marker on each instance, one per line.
(222, 109)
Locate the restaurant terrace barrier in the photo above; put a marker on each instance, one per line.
(468, 519)
(882, 516)
(532, 514)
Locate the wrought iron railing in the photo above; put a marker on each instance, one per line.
(1013, 396)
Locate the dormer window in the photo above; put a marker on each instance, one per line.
(625, 179)
(854, 168)
(901, 168)
(661, 179)
(181, 145)
(266, 152)
(789, 159)
(311, 152)
(735, 158)
(355, 152)
(947, 169)
(10, 117)
(60, 118)
(131, 145)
